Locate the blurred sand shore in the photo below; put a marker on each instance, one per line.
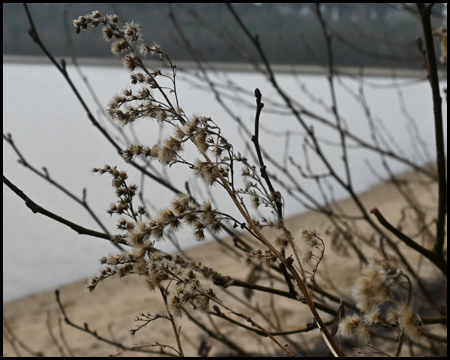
(112, 308)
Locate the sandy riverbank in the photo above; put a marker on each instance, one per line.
(112, 307)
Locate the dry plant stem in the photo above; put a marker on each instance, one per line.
(218, 336)
(255, 139)
(398, 350)
(402, 332)
(286, 294)
(33, 33)
(300, 283)
(436, 258)
(334, 348)
(263, 169)
(425, 13)
(176, 331)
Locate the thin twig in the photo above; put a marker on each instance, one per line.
(35, 208)
(172, 322)
(435, 258)
(85, 328)
(262, 166)
(45, 175)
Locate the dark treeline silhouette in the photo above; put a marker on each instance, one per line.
(290, 31)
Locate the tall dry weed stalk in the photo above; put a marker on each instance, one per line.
(388, 294)
(219, 165)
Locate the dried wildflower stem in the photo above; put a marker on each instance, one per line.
(304, 329)
(425, 13)
(300, 282)
(435, 258)
(172, 321)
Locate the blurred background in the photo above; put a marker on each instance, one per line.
(374, 47)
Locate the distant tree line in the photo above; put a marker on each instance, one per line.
(291, 32)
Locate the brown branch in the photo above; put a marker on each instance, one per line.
(438, 124)
(216, 335)
(276, 196)
(288, 294)
(434, 257)
(35, 208)
(46, 176)
(172, 322)
(255, 139)
(253, 324)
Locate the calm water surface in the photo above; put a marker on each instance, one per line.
(51, 130)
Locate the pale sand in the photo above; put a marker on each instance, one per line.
(113, 306)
